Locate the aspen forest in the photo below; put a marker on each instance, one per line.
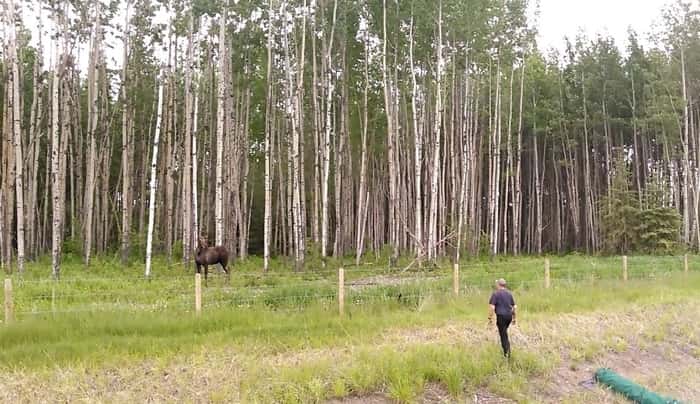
(307, 130)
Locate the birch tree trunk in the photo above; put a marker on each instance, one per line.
(168, 173)
(153, 186)
(126, 147)
(685, 144)
(389, 93)
(55, 175)
(361, 200)
(328, 132)
(93, 113)
(221, 113)
(465, 140)
(435, 175)
(17, 138)
(268, 144)
(495, 165)
(187, 245)
(587, 174)
(195, 207)
(418, 158)
(517, 188)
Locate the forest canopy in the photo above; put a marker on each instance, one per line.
(338, 128)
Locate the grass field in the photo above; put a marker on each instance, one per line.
(107, 334)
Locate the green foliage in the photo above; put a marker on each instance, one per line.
(658, 230)
(73, 248)
(630, 227)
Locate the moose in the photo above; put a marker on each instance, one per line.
(205, 256)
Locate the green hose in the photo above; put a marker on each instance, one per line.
(629, 389)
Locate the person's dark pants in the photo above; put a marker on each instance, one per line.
(503, 322)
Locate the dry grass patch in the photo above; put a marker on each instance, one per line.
(654, 345)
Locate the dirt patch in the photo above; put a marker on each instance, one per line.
(486, 397)
(365, 399)
(663, 368)
(433, 394)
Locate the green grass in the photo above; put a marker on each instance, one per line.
(48, 339)
(402, 374)
(109, 286)
(109, 315)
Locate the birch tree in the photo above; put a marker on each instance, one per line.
(153, 184)
(268, 142)
(93, 113)
(126, 148)
(221, 113)
(17, 137)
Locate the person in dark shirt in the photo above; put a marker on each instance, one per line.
(503, 306)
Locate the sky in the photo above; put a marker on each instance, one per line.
(560, 18)
(557, 19)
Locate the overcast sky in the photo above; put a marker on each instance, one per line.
(559, 18)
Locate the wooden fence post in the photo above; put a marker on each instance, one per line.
(624, 268)
(455, 278)
(198, 293)
(9, 306)
(341, 291)
(685, 264)
(546, 273)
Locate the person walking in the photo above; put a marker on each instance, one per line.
(503, 306)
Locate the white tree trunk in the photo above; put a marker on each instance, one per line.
(17, 136)
(326, 160)
(268, 145)
(361, 200)
(517, 189)
(93, 111)
(418, 163)
(437, 133)
(467, 147)
(389, 107)
(195, 207)
(187, 214)
(494, 184)
(153, 186)
(330, 88)
(587, 174)
(55, 175)
(126, 146)
(686, 160)
(221, 112)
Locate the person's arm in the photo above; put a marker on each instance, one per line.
(492, 307)
(514, 307)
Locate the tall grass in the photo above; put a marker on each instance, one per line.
(117, 335)
(109, 286)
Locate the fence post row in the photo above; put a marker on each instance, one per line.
(341, 291)
(198, 293)
(9, 303)
(9, 306)
(455, 279)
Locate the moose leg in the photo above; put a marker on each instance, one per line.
(224, 266)
(206, 274)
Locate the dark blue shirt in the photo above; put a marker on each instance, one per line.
(504, 302)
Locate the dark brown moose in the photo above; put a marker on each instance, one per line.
(205, 256)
